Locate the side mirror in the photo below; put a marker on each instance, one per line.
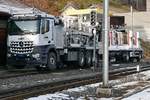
(59, 22)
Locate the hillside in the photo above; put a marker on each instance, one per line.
(55, 6)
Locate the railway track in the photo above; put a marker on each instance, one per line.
(18, 73)
(24, 72)
(20, 94)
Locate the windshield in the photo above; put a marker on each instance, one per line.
(17, 27)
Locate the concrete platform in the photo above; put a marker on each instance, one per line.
(108, 92)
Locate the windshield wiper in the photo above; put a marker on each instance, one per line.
(28, 32)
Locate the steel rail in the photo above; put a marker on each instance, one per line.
(20, 94)
(26, 72)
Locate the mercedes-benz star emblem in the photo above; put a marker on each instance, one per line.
(21, 44)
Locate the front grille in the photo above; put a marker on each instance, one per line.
(21, 47)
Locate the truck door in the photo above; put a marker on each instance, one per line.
(47, 32)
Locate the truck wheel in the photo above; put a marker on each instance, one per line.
(88, 59)
(51, 62)
(81, 60)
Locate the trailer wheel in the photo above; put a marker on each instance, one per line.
(81, 60)
(51, 62)
(88, 59)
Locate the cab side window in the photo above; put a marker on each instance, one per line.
(45, 26)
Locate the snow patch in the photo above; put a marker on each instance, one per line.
(147, 74)
(83, 88)
(144, 95)
(126, 84)
(79, 89)
(106, 99)
(56, 96)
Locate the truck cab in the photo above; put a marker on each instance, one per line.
(29, 39)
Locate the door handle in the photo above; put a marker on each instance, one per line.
(46, 37)
(49, 41)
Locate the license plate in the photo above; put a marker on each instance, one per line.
(20, 55)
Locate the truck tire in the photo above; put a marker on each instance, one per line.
(51, 61)
(81, 60)
(88, 59)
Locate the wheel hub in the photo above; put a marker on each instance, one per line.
(52, 61)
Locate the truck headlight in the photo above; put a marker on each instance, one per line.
(8, 55)
(37, 55)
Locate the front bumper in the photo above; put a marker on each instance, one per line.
(20, 59)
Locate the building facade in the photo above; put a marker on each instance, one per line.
(140, 5)
(148, 5)
(79, 18)
(140, 23)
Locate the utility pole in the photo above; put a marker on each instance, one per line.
(105, 90)
(105, 43)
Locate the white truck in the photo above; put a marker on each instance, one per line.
(41, 40)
